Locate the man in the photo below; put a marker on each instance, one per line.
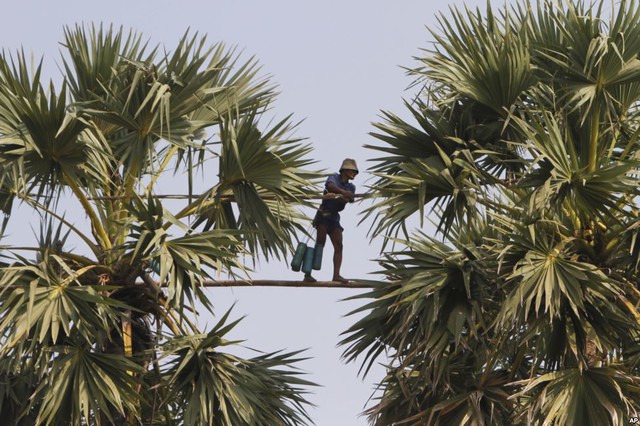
(338, 192)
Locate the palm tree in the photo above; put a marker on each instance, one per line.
(522, 309)
(97, 316)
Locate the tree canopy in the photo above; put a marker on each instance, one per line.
(521, 149)
(523, 152)
(96, 320)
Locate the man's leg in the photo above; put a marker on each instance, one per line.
(336, 240)
(321, 236)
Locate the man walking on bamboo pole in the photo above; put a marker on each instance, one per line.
(338, 191)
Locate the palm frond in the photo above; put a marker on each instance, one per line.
(222, 389)
(84, 385)
(596, 396)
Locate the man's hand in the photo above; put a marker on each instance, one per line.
(336, 192)
(348, 195)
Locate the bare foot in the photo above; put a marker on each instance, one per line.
(340, 279)
(309, 279)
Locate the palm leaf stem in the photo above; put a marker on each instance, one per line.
(163, 166)
(172, 314)
(522, 352)
(129, 184)
(612, 145)
(495, 357)
(163, 390)
(98, 229)
(572, 152)
(593, 143)
(109, 208)
(126, 335)
(190, 209)
(65, 255)
(94, 248)
(131, 177)
(633, 140)
(169, 320)
(114, 209)
(119, 212)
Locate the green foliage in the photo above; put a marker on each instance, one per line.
(221, 389)
(524, 154)
(97, 319)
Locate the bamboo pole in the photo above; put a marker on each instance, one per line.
(283, 283)
(223, 197)
(262, 283)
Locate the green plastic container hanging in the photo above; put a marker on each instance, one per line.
(317, 256)
(298, 257)
(307, 263)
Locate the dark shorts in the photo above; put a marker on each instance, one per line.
(330, 221)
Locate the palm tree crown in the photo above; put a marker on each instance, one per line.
(96, 321)
(525, 149)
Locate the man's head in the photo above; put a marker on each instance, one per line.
(349, 166)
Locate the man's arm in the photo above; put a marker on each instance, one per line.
(335, 189)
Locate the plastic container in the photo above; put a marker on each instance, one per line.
(307, 263)
(317, 256)
(298, 257)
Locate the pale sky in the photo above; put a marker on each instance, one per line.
(337, 64)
